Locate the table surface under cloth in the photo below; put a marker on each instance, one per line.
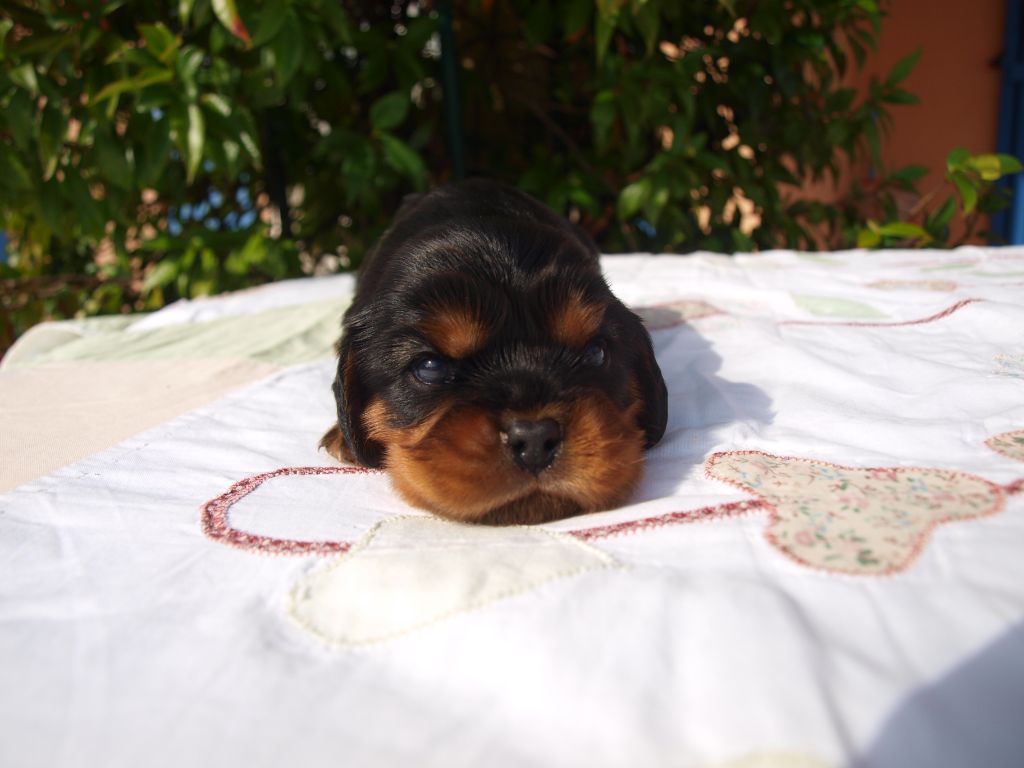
(823, 566)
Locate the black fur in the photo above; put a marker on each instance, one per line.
(490, 244)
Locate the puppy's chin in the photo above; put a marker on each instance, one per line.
(454, 463)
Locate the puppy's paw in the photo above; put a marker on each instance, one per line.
(334, 443)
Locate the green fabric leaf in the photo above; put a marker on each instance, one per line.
(831, 306)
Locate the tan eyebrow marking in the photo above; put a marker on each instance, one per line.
(454, 331)
(576, 321)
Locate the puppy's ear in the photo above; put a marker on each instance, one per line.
(651, 386)
(347, 441)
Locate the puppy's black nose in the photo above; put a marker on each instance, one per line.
(533, 444)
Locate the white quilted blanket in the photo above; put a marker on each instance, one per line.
(824, 565)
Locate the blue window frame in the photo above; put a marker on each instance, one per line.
(1010, 222)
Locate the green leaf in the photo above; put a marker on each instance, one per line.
(956, 158)
(602, 117)
(51, 139)
(648, 23)
(154, 152)
(868, 238)
(988, 166)
(633, 197)
(1009, 164)
(389, 111)
(945, 214)
(227, 14)
(196, 136)
(607, 20)
(163, 273)
(189, 134)
(909, 173)
(160, 41)
(144, 79)
(874, 141)
(900, 96)
(840, 100)
(6, 25)
(51, 204)
(403, 159)
(24, 76)
(19, 117)
(903, 68)
(185, 10)
(187, 62)
(287, 46)
(903, 229)
(13, 175)
(111, 158)
(217, 103)
(968, 192)
(272, 16)
(87, 211)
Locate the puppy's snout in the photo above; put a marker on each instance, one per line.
(533, 444)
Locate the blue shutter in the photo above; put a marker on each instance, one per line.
(1010, 222)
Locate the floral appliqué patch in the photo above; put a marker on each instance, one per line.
(853, 520)
(1010, 444)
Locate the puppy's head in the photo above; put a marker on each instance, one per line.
(500, 401)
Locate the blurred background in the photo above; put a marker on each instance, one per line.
(151, 151)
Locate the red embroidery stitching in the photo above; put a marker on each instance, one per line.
(732, 509)
(217, 525)
(863, 324)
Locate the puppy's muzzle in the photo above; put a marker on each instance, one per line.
(533, 445)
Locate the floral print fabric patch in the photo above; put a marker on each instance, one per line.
(863, 521)
(1009, 444)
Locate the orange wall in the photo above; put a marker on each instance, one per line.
(957, 79)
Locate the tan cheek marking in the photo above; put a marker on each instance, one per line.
(455, 332)
(602, 457)
(576, 321)
(459, 470)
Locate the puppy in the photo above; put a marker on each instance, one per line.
(487, 366)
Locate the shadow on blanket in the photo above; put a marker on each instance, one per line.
(971, 716)
(705, 411)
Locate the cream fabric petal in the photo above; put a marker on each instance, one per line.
(408, 572)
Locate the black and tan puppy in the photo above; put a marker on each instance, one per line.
(487, 366)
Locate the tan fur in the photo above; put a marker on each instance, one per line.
(576, 321)
(456, 332)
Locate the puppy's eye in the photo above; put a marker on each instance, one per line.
(433, 370)
(593, 355)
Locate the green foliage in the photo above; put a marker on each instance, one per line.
(173, 148)
(974, 178)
